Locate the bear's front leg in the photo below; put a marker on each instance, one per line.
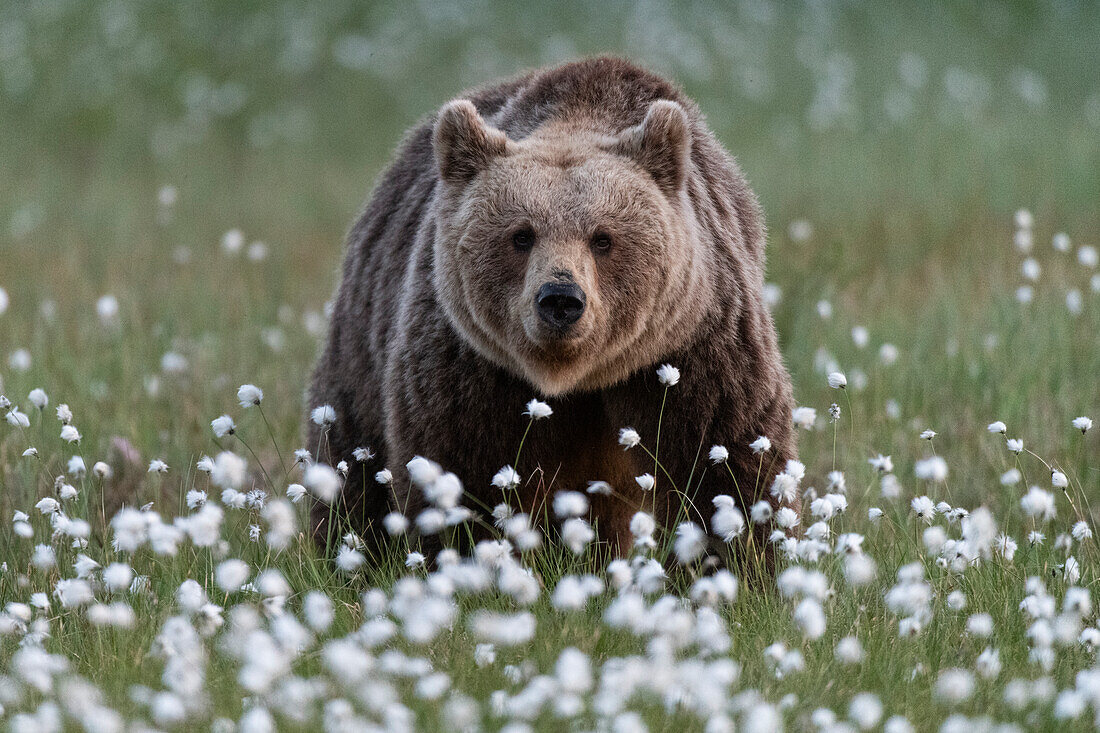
(679, 424)
(446, 403)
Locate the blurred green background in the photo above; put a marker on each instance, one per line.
(890, 144)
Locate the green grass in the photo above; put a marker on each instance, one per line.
(276, 121)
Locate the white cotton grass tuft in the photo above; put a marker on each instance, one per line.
(1038, 504)
(1031, 269)
(628, 438)
(249, 395)
(39, 398)
(642, 526)
(786, 518)
(318, 610)
(954, 686)
(537, 410)
(923, 508)
(107, 308)
(1088, 256)
(223, 426)
(231, 574)
(423, 472)
(322, 482)
(323, 416)
(506, 478)
(865, 710)
(117, 577)
(295, 492)
(849, 651)
(800, 231)
(668, 375)
(599, 488)
(395, 524)
(577, 534)
(837, 380)
(881, 463)
(570, 504)
(804, 417)
(690, 542)
(810, 619)
(933, 468)
(229, 471)
(349, 560)
(760, 445)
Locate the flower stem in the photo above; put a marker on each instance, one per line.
(275, 443)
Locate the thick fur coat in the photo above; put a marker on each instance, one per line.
(602, 179)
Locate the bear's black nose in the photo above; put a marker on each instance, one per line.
(560, 304)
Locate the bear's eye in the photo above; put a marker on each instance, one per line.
(601, 242)
(524, 239)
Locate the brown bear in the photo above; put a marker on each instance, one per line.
(561, 234)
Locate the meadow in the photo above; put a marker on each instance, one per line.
(178, 181)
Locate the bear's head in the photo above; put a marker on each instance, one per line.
(571, 256)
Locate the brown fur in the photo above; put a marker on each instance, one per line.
(435, 344)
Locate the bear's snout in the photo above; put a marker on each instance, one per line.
(560, 304)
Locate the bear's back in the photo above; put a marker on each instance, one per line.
(604, 93)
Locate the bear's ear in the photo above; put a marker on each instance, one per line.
(464, 144)
(661, 144)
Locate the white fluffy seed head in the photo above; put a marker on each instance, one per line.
(629, 437)
(321, 481)
(223, 426)
(323, 416)
(668, 375)
(538, 410)
(229, 471)
(231, 574)
(249, 395)
(804, 417)
(642, 525)
(38, 398)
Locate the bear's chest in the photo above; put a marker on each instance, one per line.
(575, 453)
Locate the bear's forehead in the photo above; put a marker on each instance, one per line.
(579, 192)
(571, 175)
(563, 147)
